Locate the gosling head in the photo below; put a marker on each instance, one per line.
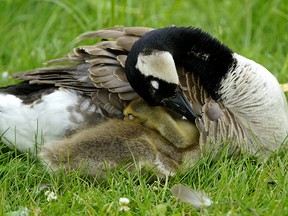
(139, 111)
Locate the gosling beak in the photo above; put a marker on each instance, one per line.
(180, 104)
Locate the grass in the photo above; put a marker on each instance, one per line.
(34, 31)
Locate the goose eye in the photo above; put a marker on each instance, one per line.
(155, 84)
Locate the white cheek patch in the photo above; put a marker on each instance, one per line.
(158, 64)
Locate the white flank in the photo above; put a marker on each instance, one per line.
(28, 127)
(198, 199)
(158, 64)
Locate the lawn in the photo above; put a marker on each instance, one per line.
(34, 31)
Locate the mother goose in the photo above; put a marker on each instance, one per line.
(228, 96)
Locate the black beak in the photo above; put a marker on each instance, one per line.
(180, 104)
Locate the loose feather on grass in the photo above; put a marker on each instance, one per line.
(198, 199)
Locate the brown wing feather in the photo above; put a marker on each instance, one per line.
(95, 34)
(107, 33)
(137, 31)
(91, 51)
(122, 59)
(127, 41)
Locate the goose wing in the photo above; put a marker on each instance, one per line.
(95, 70)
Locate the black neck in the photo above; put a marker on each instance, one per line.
(194, 49)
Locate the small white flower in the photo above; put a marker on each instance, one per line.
(124, 201)
(124, 208)
(50, 196)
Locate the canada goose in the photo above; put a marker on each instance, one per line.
(164, 144)
(229, 97)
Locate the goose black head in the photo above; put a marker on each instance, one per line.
(151, 65)
(152, 74)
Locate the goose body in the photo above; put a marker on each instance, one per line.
(164, 145)
(228, 96)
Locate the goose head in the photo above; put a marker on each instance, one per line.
(154, 77)
(152, 74)
(151, 65)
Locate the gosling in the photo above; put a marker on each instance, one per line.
(147, 138)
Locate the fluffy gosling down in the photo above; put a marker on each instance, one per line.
(147, 137)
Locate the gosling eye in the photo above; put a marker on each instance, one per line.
(130, 116)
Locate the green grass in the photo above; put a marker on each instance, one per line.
(32, 32)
